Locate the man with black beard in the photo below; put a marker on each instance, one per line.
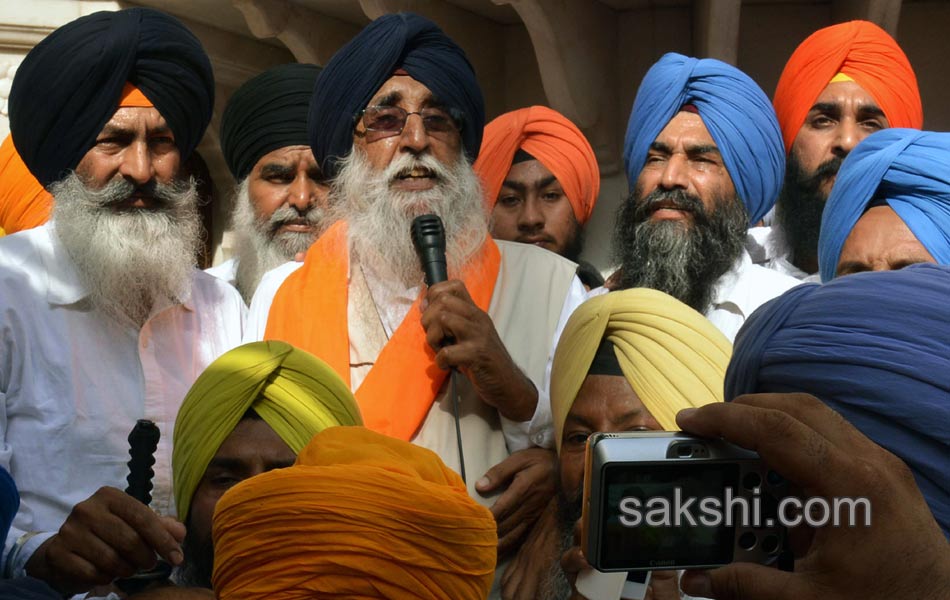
(841, 84)
(399, 144)
(704, 160)
(104, 319)
(280, 199)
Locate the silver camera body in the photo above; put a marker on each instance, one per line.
(628, 475)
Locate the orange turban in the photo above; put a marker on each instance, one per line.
(862, 51)
(548, 136)
(360, 515)
(24, 203)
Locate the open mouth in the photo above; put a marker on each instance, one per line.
(416, 173)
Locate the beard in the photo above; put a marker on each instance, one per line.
(129, 259)
(556, 586)
(260, 245)
(799, 207)
(379, 218)
(682, 260)
(197, 568)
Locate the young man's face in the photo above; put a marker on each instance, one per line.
(533, 209)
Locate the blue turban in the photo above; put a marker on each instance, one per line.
(906, 168)
(69, 85)
(873, 346)
(357, 71)
(9, 502)
(734, 109)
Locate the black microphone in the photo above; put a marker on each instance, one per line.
(428, 236)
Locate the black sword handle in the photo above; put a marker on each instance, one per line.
(143, 441)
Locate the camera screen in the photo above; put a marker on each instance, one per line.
(656, 540)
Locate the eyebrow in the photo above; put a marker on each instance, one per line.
(834, 108)
(851, 266)
(271, 169)
(236, 464)
(583, 421)
(521, 187)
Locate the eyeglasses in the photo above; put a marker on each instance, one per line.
(386, 121)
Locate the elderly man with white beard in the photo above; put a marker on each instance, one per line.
(399, 143)
(104, 319)
(281, 195)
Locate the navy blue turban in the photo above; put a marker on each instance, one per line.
(267, 113)
(9, 502)
(907, 169)
(69, 85)
(734, 109)
(873, 346)
(356, 72)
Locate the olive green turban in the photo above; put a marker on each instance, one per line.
(673, 357)
(294, 392)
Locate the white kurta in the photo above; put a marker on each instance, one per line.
(73, 381)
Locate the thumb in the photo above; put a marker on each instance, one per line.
(741, 581)
(499, 475)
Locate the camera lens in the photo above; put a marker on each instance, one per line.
(684, 450)
(770, 544)
(747, 540)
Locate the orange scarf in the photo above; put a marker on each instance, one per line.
(310, 312)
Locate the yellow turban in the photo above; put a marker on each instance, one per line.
(673, 357)
(360, 515)
(294, 392)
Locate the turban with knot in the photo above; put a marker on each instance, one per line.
(864, 53)
(360, 515)
(267, 113)
(905, 168)
(671, 355)
(552, 139)
(69, 85)
(392, 42)
(734, 109)
(294, 392)
(24, 203)
(872, 346)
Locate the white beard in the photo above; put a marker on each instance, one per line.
(259, 245)
(129, 260)
(379, 217)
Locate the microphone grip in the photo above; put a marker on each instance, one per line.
(433, 265)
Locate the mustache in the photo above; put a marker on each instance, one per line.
(119, 190)
(405, 163)
(286, 214)
(678, 199)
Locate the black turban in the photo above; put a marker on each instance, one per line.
(355, 73)
(268, 112)
(69, 85)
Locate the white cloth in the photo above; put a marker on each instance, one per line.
(73, 381)
(768, 248)
(743, 289)
(536, 432)
(738, 293)
(226, 271)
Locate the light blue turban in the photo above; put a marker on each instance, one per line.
(735, 110)
(908, 169)
(873, 346)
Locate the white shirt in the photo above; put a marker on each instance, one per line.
(738, 293)
(73, 381)
(768, 247)
(539, 431)
(743, 289)
(226, 271)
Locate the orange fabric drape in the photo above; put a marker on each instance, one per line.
(24, 203)
(862, 51)
(310, 312)
(360, 515)
(551, 138)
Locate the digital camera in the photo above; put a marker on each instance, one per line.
(670, 500)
